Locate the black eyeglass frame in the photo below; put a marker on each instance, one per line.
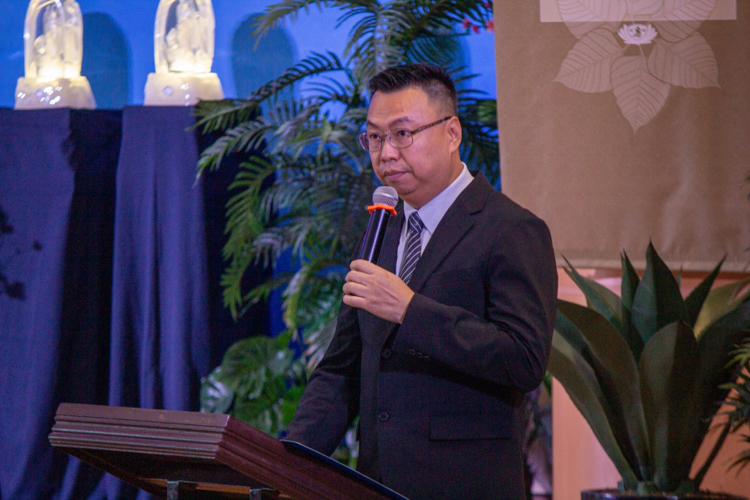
(364, 141)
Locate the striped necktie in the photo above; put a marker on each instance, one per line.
(413, 247)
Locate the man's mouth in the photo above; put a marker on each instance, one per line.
(393, 175)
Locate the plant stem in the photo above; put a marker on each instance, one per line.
(698, 479)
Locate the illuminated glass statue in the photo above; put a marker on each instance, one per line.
(183, 54)
(53, 58)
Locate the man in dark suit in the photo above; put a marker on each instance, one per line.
(437, 343)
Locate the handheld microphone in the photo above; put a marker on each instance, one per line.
(384, 199)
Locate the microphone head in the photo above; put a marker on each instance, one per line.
(385, 195)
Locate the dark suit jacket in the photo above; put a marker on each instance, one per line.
(439, 397)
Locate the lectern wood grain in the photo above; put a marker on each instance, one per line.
(213, 452)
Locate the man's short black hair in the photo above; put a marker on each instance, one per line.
(433, 80)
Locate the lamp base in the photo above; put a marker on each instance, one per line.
(182, 89)
(38, 93)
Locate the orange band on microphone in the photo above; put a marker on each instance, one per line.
(387, 208)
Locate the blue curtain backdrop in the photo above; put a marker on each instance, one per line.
(109, 269)
(56, 177)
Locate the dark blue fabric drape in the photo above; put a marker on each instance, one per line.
(36, 189)
(56, 198)
(160, 333)
(109, 270)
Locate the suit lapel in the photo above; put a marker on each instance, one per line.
(451, 229)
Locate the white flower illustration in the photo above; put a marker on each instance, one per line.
(641, 65)
(637, 34)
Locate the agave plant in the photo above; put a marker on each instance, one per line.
(647, 369)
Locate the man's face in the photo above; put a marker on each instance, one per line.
(421, 171)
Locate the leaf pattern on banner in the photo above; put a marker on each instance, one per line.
(587, 67)
(674, 31)
(678, 56)
(689, 63)
(639, 94)
(644, 7)
(688, 10)
(580, 29)
(592, 11)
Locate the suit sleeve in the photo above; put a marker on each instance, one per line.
(510, 345)
(331, 398)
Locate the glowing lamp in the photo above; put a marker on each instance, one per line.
(183, 55)
(53, 58)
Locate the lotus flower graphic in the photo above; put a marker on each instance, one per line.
(638, 49)
(637, 34)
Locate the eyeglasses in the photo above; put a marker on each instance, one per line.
(399, 138)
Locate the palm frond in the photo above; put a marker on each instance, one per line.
(480, 148)
(435, 48)
(290, 9)
(437, 14)
(246, 136)
(221, 115)
(370, 46)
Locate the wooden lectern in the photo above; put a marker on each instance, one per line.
(179, 455)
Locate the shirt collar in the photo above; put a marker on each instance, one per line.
(434, 210)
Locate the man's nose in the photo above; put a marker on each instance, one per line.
(388, 152)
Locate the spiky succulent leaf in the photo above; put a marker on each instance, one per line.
(669, 381)
(599, 298)
(581, 384)
(695, 300)
(657, 301)
(630, 282)
(719, 302)
(602, 346)
(629, 331)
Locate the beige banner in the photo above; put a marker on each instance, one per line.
(628, 121)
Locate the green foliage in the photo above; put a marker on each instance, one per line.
(648, 369)
(739, 401)
(260, 382)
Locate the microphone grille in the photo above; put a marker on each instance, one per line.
(385, 195)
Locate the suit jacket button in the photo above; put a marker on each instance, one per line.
(386, 353)
(412, 352)
(383, 416)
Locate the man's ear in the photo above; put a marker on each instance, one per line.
(454, 133)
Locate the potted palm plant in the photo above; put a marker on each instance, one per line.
(648, 370)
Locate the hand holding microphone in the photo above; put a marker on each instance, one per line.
(369, 286)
